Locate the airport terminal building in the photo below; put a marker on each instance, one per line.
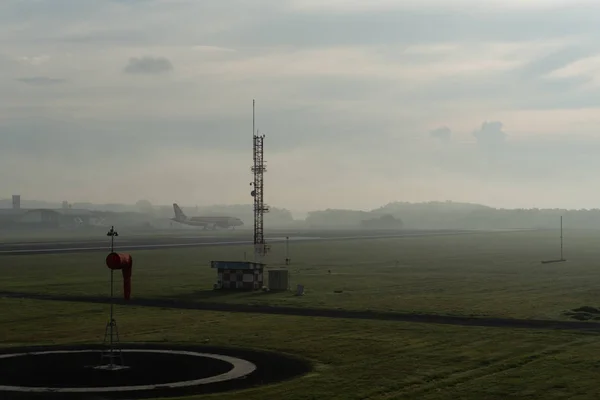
(17, 217)
(43, 218)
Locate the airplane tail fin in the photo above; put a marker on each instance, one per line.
(179, 215)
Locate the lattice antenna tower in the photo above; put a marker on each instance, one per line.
(260, 208)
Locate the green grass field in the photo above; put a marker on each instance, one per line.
(487, 274)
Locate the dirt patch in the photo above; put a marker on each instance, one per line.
(585, 313)
(587, 309)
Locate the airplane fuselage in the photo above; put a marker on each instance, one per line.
(207, 222)
(212, 223)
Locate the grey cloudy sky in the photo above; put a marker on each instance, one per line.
(363, 102)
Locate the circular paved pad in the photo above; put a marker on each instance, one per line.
(67, 372)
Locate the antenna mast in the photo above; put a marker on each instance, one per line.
(258, 169)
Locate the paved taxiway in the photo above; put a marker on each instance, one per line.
(494, 322)
(148, 242)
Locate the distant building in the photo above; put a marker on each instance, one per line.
(40, 218)
(44, 218)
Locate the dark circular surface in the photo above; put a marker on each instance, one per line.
(75, 370)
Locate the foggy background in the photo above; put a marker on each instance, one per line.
(363, 102)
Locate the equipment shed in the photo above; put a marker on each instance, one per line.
(240, 275)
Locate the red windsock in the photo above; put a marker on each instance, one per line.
(123, 262)
(127, 282)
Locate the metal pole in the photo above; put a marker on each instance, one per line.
(111, 317)
(287, 250)
(112, 248)
(112, 233)
(561, 239)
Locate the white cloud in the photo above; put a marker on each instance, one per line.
(33, 60)
(362, 63)
(347, 93)
(355, 6)
(575, 123)
(211, 48)
(588, 67)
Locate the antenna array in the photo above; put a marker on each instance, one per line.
(260, 208)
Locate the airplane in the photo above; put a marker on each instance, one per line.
(214, 222)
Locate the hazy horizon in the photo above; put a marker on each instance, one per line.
(6, 203)
(362, 103)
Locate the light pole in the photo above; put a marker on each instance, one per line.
(287, 250)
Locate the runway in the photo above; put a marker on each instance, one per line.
(184, 240)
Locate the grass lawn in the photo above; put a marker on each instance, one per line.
(497, 274)
(353, 359)
(487, 274)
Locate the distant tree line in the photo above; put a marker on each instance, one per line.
(454, 215)
(426, 215)
(385, 221)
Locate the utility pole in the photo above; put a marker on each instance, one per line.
(287, 250)
(111, 327)
(561, 239)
